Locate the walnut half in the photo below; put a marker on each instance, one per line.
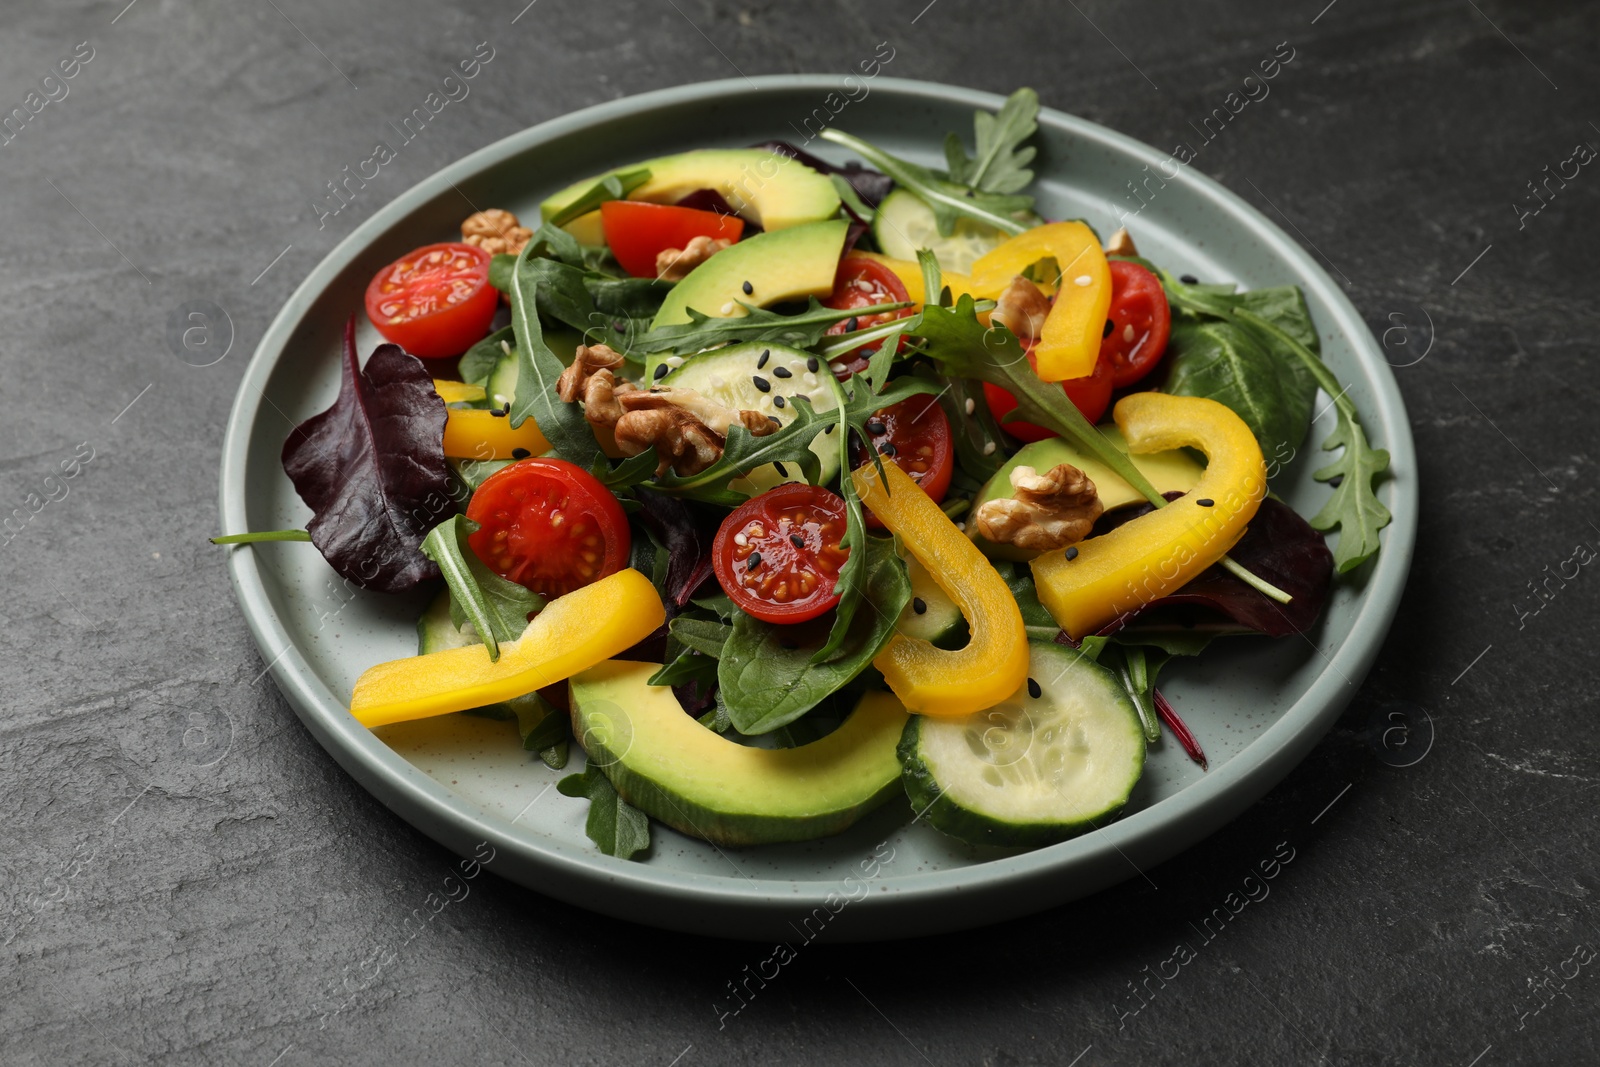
(1046, 512)
(674, 264)
(495, 231)
(1022, 309)
(687, 429)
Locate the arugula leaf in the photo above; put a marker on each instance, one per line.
(766, 672)
(851, 199)
(802, 330)
(541, 724)
(850, 581)
(617, 828)
(948, 200)
(1001, 165)
(741, 453)
(538, 368)
(611, 187)
(1354, 509)
(498, 609)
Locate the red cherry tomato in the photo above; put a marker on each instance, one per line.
(860, 283)
(637, 232)
(778, 556)
(548, 525)
(434, 302)
(1140, 321)
(916, 435)
(1091, 395)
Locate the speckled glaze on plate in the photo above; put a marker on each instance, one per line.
(1257, 705)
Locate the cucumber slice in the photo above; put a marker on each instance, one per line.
(729, 375)
(502, 383)
(1034, 770)
(904, 224)
(940, 621)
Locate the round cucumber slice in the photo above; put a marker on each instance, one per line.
(735, 376)
(1035, 769)
(905, 224)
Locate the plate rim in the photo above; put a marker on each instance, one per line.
(1202, 806)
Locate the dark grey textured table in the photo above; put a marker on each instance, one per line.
(159, 903)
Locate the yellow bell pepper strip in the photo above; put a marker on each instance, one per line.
(910, 274)
(994, 664)
(1069, 344)
(573, 633)
(457, 392)
(1089, 584)
(476, 433)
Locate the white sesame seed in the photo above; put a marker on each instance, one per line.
(741, 540)
(1083, 279)
(972, 405)
(501, 399)
(674, 362)
(505, 346)
(961, 526)
(727, 309)
(988, 448)
(837, 368)
(1127, 333)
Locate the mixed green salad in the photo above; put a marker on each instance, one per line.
(786, 488)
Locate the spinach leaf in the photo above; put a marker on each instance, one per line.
(617, 828)
(372, 469)
(1001, 165)
(538, 368)
(497, 608)
(1222, 362)
(766, 674)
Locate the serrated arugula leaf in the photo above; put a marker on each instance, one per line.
(766, 675)
(611, 187)
(741, 453)
(538, 368)
(1354, 509)
(498, 609)
(613, 825)
(802, 330)
(1001, 163)
(949, 201)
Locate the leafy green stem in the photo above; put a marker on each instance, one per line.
(261, 535)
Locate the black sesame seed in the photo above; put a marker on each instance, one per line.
(1034, 689)
(887, 449)
(1189, 279)
(876, 426)
(497, 413)
(919, 605)
(850, 324)
(520, 453)
(828, 428)
(1336, 481)
(748, 288)
(783, 472)
(812, 364)
(1072, 553)
(797, 541)
(661, 372)
(779, 402)
(761, 383)
(507, 408)
(1206, 502)
(766, 354)
(1109, 327)
(782, 372)
(755, 560)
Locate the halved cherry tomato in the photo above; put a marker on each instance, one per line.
(434, 302)
(916, 435)
(778, 556)
(637, 232)
(1140, 321)
(1090, 395)
(548, 525)
(860, 283)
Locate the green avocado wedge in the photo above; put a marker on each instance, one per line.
(768, 268)
(771, 190)
(698, 782)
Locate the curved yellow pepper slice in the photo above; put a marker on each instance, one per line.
(1069, 344)
(457, 392)
(573, 633)
(476, 433)
(994, 664)
(1157, 553)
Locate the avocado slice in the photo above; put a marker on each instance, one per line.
(1174, 471)
(696, 781)
(772, 191)
(784, 265)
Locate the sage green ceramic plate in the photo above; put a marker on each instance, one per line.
(1257, 705)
